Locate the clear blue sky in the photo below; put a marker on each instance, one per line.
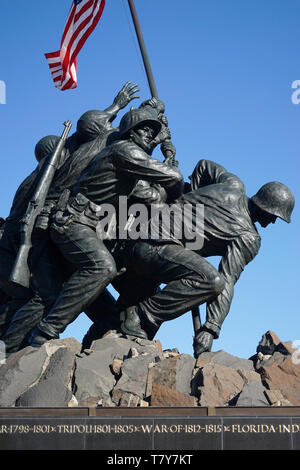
(224, 70)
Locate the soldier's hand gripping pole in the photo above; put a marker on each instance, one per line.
(168, 154)
(20, 274)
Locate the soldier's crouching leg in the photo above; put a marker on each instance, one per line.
(190, 281)
(94, 269)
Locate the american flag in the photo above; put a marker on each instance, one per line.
(82, 20)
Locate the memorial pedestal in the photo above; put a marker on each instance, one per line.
(156, 430)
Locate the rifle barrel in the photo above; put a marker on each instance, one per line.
(20, 274)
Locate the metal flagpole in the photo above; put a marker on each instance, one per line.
(197, 325)
(196, 311)
(141, 41)
(145, 57)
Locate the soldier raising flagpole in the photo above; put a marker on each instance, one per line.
(196, 311)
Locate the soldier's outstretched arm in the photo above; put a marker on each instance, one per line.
(123, 98)
(138, 164)
(240, 252)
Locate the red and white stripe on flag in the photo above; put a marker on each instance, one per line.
(82, 20)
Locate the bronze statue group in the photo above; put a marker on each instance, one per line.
(72, 262)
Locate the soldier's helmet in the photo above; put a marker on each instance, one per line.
(45, 146)
(91, 124)
(276, 199)
(137, 117)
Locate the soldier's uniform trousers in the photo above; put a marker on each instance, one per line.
(190, 280)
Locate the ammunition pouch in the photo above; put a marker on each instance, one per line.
(75, 209)
(43, 219)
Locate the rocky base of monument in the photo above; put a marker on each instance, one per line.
(122, 371)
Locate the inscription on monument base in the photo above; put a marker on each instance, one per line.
(156, 433)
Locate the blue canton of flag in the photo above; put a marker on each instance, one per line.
(76, 2)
